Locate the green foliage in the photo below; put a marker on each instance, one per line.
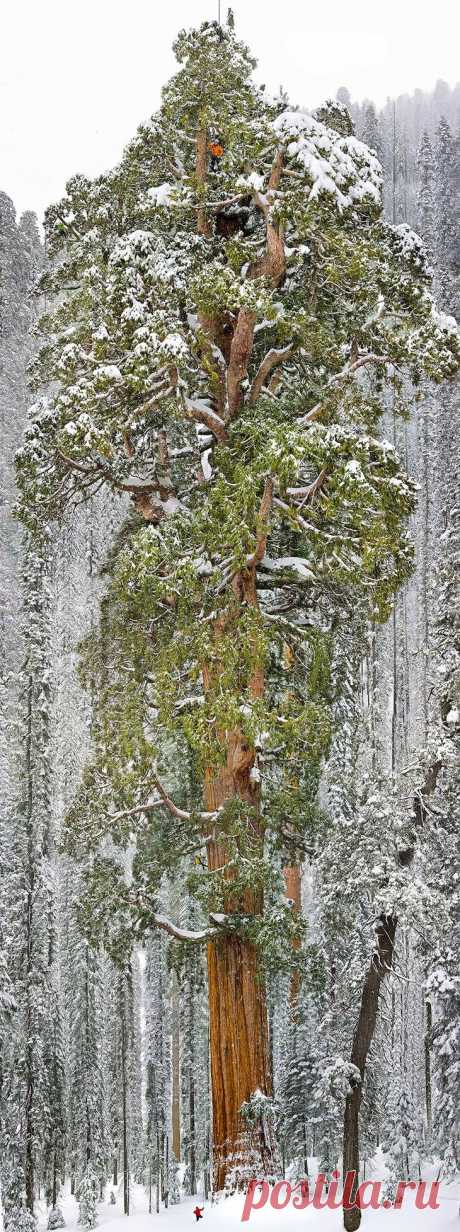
(208, 594)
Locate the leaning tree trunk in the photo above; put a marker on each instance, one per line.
(381, 963)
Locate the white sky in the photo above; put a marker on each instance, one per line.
(76, 78)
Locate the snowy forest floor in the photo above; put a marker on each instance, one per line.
(226, 1214)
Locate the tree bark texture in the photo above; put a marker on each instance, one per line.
(381, 963)
(238, 1017)
(293, 889)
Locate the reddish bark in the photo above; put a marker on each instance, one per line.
(240, 1057)
(293, 889)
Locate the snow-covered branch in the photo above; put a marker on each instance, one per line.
(349, 370)
(201, 413)
(163, 801)
(183, 934)
(306, 494)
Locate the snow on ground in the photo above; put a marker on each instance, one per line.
(225, 1216)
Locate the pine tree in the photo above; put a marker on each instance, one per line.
(157, 1066)
(446, 216)
(369, 131)
(34, 1094)
(426, 201)
(87, 1191)
(232, 330)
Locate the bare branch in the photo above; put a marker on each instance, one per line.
(182, 814)
(184, 934)
(262, 519)
(164, 801)
(349, 370)
(240, 354)
(306, 494)
(94, 473)
(139, 808)
(75, 466)
(272, 360)
(204, 415)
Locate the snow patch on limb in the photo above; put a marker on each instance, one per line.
(219, 921)
(183, 934)
(281, 564)
(162, 194)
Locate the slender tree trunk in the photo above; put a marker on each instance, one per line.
(428, 1097)
(54, 1194)
(175, 1066)
(201, 170)
(166, 1193)
(191, 1092)
(125, 1111)
(380, 964)
(29, 1161)
(293, 889)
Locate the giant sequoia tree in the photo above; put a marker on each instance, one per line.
(223, 335)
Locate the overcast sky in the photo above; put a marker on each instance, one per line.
(77, 78)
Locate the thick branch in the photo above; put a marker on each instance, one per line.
(164, 801)
(272, 360)
(182, 814)
(222, 923)
(306, 494)
(138, 808)
(201, 171)
(204, 415)
(240, 354)
(183, 934)
(262, 520)
(272, 264)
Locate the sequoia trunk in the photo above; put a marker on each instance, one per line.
(238, 1017)
(239, 1058)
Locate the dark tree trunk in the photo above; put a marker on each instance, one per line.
(381, 963)
(55, 1184)
(175, 1075)
(428, 1100)
(125, 1115)
(29, 1161)
(192, 1127)
(158, 1173)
